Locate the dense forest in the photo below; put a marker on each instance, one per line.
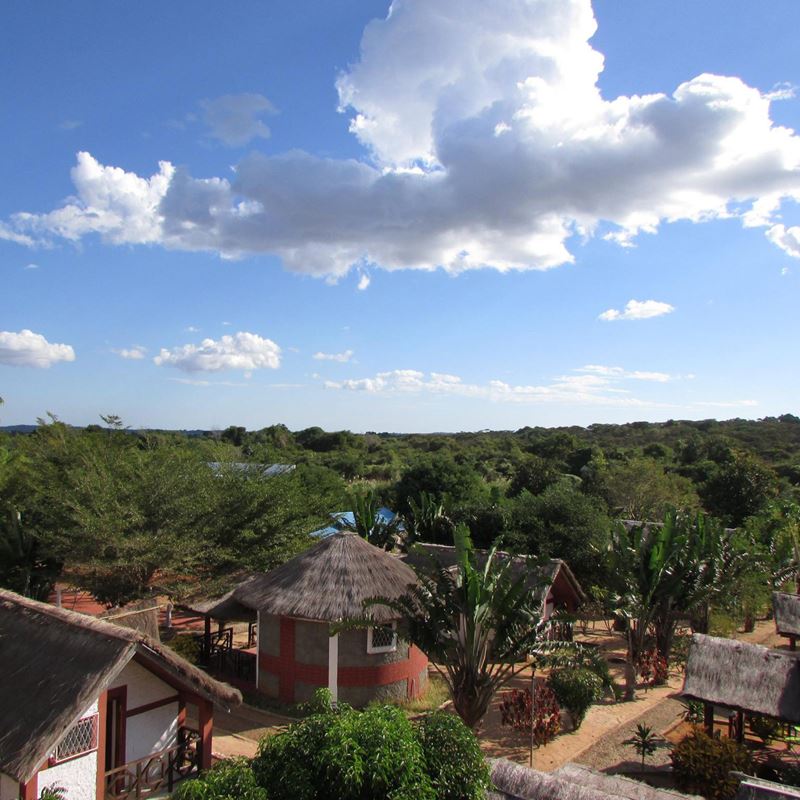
(123, 512)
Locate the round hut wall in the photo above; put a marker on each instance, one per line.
(296, 657)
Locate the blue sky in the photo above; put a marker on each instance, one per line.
(456, 216)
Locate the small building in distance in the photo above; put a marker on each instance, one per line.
(299, 606)
(104, 711)
(787, 616)
(554, 584)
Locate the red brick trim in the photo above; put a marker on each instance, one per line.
(288, 670)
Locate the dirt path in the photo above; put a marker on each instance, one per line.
(598, 742)
(238, 733)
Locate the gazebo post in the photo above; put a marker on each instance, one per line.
(207, 637)
(793, 643)
(740, 726)
(708, 718)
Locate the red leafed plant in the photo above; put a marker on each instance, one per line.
(516, 707)
(653, 668)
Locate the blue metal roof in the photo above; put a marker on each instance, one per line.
(344, 520)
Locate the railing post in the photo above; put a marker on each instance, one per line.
(138, 779)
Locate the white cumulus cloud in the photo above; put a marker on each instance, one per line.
(592, 385)
(341, 358)
(135, 353)
(29, 349)
(245, 351)
(788, 239)
(487, 143)
(638, 309)
(235, 118)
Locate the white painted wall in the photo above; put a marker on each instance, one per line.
(9, 787)
(143, 686)
(153, 730)
(78, 775)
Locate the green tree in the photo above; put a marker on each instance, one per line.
(475, 623)
(739, 488)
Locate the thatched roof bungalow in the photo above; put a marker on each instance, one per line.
(743, 677)
(82, 700)
(554, 583)
(787, 615)
(299, 605)
(571, 782)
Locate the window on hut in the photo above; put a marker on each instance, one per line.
(382, 638)
(80, 738)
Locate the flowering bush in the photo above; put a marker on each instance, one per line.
(653, 668)
(516, 709)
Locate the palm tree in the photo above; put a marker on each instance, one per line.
(668, 571)
(370, 524)
(476, 624)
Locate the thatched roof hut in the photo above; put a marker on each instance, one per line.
(56, 662)
(552, 574)
(140, 616)
(329, 582)
(787, 614)
(743, 676)
(570, 782)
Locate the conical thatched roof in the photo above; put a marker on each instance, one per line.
(570, 782)
(54, 663)
(329, 582)
(787, 613)
(743, 676)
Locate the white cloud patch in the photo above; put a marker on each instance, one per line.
(70, 124)
(594, 385)
(363, 282)
(341, 358)
(638, 309)
(29, 349)
(31, 266)
(135, 353)
(235, 118)
(788, 239)
(488, 144)
(244, 351)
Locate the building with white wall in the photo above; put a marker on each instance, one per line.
(103, 711)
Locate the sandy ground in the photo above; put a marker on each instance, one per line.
(598, 742)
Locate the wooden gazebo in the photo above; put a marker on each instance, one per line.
(787, 616)
(745, 678)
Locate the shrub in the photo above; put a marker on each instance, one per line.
(187, 646)
(701, 765)
(576, 689)
(765, 728)
(453, 760)
(346, 754)
(653, 668)
(516, 708)
(229, 780)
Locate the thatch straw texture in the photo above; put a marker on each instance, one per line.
(141, 616)
(226, 607)
(571, 782)
(445, 555)
(329, 582)
(787, 613)
(617, 785)
(743, 676)
(56, 662)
